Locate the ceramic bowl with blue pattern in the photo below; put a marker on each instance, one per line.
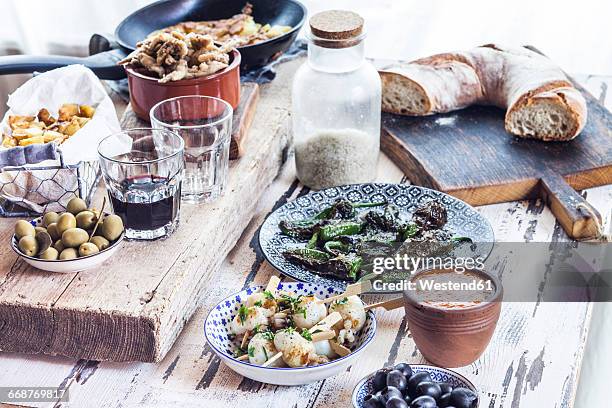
(463, 220)
(365, 386)
(216, 330)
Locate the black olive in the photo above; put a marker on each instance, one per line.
(405, 369)
(396, 379)
(415, 380)
(372, 401)
(429, 388)
(445, 387)
(379, 381)
(396, 402)
(423, 401)
(463, 398)
(444, 400)
(389, 392)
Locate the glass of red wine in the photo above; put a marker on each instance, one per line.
(205, 124)
(143, 170)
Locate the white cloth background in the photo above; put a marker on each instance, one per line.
(576, 34)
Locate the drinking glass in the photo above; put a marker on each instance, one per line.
(205, 124)
(143, 170)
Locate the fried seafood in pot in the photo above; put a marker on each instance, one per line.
(173, 56)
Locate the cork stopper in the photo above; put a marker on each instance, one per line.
(336, 28)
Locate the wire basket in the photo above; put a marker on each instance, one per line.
(31, 190)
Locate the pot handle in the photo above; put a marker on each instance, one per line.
(104, 64)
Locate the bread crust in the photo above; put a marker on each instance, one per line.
(510, 78)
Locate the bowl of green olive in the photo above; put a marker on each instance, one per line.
(78, 239)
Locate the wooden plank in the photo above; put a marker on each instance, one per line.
(134, 307)
(243, 118)
(468, 154)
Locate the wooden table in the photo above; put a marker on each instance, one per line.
(533, 360)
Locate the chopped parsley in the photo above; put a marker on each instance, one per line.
(265, 353)
(242, 314)
(342, 301)
(306, 334)
(293, 303)
(268, 295)
(251, 351)
(258, 303)
(268, 335)
(411, 231)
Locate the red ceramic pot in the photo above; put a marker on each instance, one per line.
(146, 91)
(453, 336)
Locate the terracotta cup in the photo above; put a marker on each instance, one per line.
(453, 336)
(147, 91)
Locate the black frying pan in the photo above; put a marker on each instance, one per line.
(163, 14)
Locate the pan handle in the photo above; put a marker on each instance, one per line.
(104, 64)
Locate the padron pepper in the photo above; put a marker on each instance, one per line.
(329, 232)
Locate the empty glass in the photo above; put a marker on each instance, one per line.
(143, 171)
(205, 124)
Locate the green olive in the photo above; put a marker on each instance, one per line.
(65, 221)
(54, 232)
(101, 242)
(74, 237)
(49, 218)
(59, 245)
(50, 254)
(112, 227)
(28, 245)
(40, 229)
(24, 228)
(88, 249)
(76, 205)
(86, 219)
(69, 253)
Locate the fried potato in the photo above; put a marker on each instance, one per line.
(20, 121)
(45, 117)
(86, 111)
(44, 128)
(21, 134)
(8, 141)
(51, 136)
(72, 127)
(82, 121)
(67, 111)
(32, 140)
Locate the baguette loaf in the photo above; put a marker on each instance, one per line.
(539, 99)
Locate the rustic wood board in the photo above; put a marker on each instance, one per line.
(468, 154)
(533, 360)
(133, 307)
(243, 118)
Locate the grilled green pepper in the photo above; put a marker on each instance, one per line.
(333, 247)
(344, 209)
(329, 232)
(302, 229)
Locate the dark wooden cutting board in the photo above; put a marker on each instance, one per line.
(469, 155)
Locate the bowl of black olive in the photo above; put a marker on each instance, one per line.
(415, 386)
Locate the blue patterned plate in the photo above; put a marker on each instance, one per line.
(216, 330)
(365, 386)
(463, 220)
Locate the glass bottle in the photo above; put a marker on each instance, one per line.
(336, 101)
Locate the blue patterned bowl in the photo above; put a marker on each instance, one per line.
(216, 330)
(365, 386)
(463, 220)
